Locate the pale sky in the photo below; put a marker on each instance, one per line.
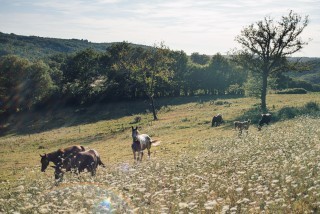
(204, 26)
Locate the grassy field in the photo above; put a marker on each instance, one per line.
(196, 168)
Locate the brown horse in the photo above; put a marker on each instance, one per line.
(57, 156)
(140, 143)
(216, 120)
(82, 160)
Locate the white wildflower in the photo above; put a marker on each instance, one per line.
(239, 189)
(183, 205)
(19, 188)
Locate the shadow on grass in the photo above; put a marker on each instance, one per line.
(286, 113)
(39, 121)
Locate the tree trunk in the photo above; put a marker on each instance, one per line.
(153, 109)
(264, 91)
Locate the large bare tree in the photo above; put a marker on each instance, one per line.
(266, 45)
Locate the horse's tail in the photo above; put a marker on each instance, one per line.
(83, 149)
(100, 162)
(155, 142)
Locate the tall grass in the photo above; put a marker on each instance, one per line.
(275, 170)
(196, 169)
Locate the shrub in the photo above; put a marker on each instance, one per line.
(221, 102)
(311, 106)
(293, 91)
(287, 113)
(253, 114)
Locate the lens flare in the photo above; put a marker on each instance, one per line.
(93, 196)
(104, 206)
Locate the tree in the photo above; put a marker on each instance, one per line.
(201, 59)
(154, 67)
(80, 72)
(179, 66)
(13, 72)
(38, 83)
(23, 83)
(266, 44)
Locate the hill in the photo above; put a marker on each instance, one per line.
(312, 75)
(195, 169)
(35, 47)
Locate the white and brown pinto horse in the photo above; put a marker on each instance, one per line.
(140, 143)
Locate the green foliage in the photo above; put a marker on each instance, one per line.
(200, 59)
(23, 83)
(311, 107)
(235, 89)
(221, 102)
(293, 91)
(253, 114)
(80, 72)
(252, 86)
(287, 113)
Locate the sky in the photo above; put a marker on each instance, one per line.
(203, 26)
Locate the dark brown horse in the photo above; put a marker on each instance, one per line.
(217, 120)
(82, 160)
(57, 156)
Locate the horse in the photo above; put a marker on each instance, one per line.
(57, 156)
(217, 120)
(265, 119)
(89, 160)
(242, 125)
(140, 143)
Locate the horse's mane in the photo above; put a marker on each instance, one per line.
(54, 156)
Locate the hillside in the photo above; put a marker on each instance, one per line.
(195, 169)
(312, 75)
(35, 47)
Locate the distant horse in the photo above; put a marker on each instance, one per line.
(82, 160)
(217, 120)
(265, 119)
(242, 125)
(140, 143)
(58, 156)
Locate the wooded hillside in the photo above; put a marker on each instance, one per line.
(39, 72)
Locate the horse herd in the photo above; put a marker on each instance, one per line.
(77, 159)
(242, 125)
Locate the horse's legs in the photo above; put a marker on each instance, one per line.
(141, 155)
(134, 154)
(149, 153)
(92, 170)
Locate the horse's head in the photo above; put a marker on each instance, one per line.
(135, 133)
(44, 162)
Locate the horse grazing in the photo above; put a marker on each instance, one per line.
(242, 125)
(217, 120)
(140, 143)
(57, 156)
(82, 160)
(265, 119)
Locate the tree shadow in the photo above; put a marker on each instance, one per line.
(37, 121)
